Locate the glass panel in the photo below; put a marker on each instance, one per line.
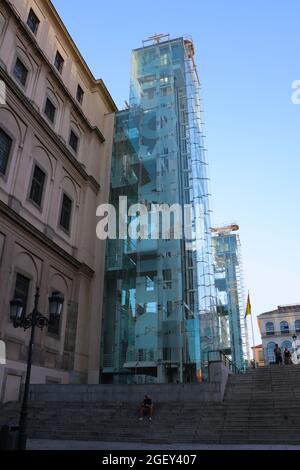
(270, 352)
(79, 94)
(22, 289)
(269, 328)
(284, 327)
(59, 62)
(33, 21)
(20, 72)
(50, 110)
(66, 209)
(5, 148)
(37, 186)
(73, 141)
(54, 326)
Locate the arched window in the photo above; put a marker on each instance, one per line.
(284, 327)
(270, 352)
(286, 344)
(269, 328)
(297, 326)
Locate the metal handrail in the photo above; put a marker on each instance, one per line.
(225, 359)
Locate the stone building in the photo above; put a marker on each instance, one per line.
(278, 327)
(56, 130)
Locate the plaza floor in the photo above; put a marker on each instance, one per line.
(43, 444)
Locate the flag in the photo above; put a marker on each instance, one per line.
(248, 306)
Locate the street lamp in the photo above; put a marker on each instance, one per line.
(35, 318)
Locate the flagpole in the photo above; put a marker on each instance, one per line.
(253, 343)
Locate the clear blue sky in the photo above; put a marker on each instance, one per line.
(248, 54)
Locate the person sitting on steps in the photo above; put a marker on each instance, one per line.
(146, 408)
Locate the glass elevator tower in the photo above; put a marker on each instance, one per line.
(159, 313)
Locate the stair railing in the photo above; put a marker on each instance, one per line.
(219, 356)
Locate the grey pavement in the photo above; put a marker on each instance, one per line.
(45, 444)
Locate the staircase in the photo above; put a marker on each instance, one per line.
(259, 407)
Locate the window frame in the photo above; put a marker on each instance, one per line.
(53, 334)
(11, 150)
(34, 203)
(31, 11)
(72, 131)
(61, 62)
(55, 112)
(270, 350)
(20, 272)
(80, 93)
(284, 331)
(16, 76)
(67, 231)
(270, 332)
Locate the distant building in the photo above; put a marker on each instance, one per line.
(56, 128)
(278, 327)
(230, 294)
(258, 355)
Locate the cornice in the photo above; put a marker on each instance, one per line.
(10, 214)
(55, 74)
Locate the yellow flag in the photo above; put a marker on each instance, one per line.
(248, 307)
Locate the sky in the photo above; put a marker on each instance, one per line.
(248, 56)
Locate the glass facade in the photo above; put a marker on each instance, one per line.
(230, 297)
(159, 299)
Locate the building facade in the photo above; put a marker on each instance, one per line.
(258, 355)
(230, 294)
(159, 302)
(278, 327)
(56, 126)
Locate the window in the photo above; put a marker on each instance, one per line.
(22, 289)
(54, 326)
(169, 307)
(150, 286)
(79, 94)
(166, 91)
(33, 21)
(50, 110)
(270, 353)
(284, 327)
(73, 141)
(20, 72)
(167, 278)
(59, 62)
(297, 326)
(269, 328)
(286, 344)
(65, 214)
(5, 148)
(37, 185)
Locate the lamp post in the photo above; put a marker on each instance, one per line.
(34, 319)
